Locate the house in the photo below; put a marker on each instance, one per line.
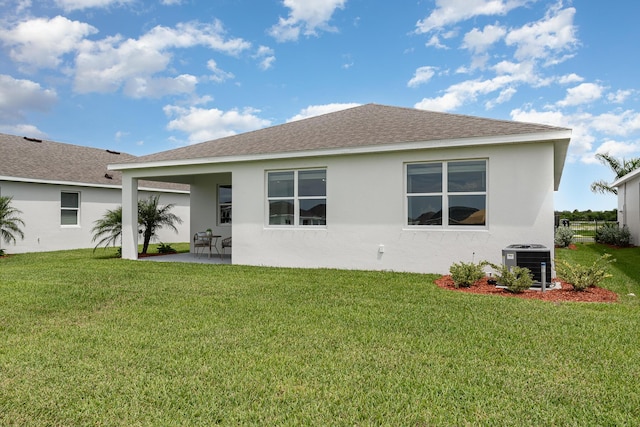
(372, 187)
(62, 189)
(628, 188)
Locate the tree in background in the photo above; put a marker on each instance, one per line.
(151, 217)
(620, 168)
(10, 222)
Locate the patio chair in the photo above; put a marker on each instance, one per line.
(226, 243)
(202, 241)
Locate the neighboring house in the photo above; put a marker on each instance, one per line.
(62, 189)
(629, 203)
(372, 187)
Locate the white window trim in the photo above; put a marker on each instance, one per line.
(77, 224)
(444, 194)
(220, 223)
(296, 200)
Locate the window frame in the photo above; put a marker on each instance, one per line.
(225, 205)
(445, 194)
(75, 209)
(296, 198)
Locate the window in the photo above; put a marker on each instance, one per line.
(69, 208)
(224, 204)
(297, 198)
(447, 193)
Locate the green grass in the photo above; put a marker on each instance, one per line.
(86, 339)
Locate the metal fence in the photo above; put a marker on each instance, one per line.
(585, 231)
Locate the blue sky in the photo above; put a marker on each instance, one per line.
(147, 76)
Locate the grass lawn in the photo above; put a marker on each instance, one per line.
(87, 339)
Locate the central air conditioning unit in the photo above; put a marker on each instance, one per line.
(529, 256)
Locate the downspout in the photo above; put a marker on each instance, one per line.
(623, 212)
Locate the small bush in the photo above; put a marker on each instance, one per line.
(466, 274)
(612, 234)
(583, 277)
(165, 248)
(563, 237)
(1, 252)
(515, 279)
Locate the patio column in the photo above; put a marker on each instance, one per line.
(129, 217)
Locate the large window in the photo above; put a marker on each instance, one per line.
(447, 193)
(69, 208)
(297, 198)
(224, 204)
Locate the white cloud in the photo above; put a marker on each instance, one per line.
(266, 56)
(570, 78)
(478, 41)
(550, 36)
(69, 5)
(42, 42)
(504, 96)
(18, 96)
(587, 129)
(421, 76)
(619, 96)
(203, 124)
(434, 41)
(23, 129)
(449, 12)
(619, 149)
(317, 110)
(509, 76)
(108, 64)
(219, 75)
(582, 94)
(305, 17)
(148, 87)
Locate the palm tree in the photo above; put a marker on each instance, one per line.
(108, 228)
(151, 217)
(10, 222)
(618, 167)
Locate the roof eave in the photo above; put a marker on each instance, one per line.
(626, 178)
(85, 184)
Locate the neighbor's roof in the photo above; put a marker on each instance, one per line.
(36, 160)
(369, 125)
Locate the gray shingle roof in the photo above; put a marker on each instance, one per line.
(30, 159)
(364, 126)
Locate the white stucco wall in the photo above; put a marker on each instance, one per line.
(366, 209)
(629, 207)
(40, 206)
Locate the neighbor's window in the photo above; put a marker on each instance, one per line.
(447, 193)
(224, 204)
(298, 197)
(69, 208)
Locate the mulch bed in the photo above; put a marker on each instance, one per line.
(566, 293)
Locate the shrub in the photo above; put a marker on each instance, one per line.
(165, 248)
(515, 279)
(1, 252)
(582, 277)
(466, 274)
(563, 237)
(612, 234)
